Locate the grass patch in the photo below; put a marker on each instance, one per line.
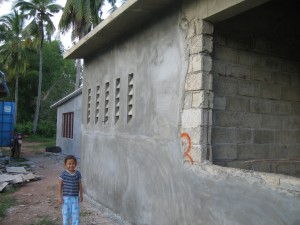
(45, 220)
(43, 142)
(6, 201)
(37, 138)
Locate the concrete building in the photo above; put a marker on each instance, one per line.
(173, 86)
(68, 127)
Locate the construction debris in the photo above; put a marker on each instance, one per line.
(14, 175)
(15, 170)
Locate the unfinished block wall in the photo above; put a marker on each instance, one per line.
(256, 116)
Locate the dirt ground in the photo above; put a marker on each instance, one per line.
(38, 200)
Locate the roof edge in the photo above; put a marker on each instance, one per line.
(67, 98)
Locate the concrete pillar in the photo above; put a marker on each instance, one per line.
(196, 116)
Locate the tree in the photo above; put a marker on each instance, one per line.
(80, 16)
(12, 51)
(113, 4)
(41, 26)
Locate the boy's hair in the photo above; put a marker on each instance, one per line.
(70, 157)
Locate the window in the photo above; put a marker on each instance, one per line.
(88, 119)
(68, 121)
(106, 102)
(117, 100)
(130, 98)
(97, 110)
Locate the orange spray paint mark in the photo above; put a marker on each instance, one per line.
(187, 152)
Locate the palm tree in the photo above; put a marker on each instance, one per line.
(12, 50)
(41, 26)
(80, 16)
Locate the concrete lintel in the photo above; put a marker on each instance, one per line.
(127, 18)
(219, 10)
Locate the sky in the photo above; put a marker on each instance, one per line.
(5, 8)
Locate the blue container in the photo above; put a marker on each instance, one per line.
(7, 113)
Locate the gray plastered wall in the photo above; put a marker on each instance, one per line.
(140, 169)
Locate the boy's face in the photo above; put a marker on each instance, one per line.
(71, 165)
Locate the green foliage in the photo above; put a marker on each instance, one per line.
(45, 128)
(24, 128)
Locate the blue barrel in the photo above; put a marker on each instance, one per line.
(7, 112)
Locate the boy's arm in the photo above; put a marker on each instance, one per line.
(60, 199)
(80, 191)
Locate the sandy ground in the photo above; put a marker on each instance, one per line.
(38, 199)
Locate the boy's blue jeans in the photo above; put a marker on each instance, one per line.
(70, 209)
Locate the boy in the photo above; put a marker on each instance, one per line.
(70, 191)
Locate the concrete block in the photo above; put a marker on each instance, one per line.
(271, 91)
(188, 100)
(291, 122)
(243, 136)
(251, 89)
(222, 152)
(261, 75)
(206, 63)
(286, 136)
(254, 60)
(260, 106)
(223, 135)
(290, 66)
(295, 79)
(195, 44)
(291, 94)
(271, 121)
(263, 136)
(260, 45)
(296, 108)
(198, 99)
(205, 27)
(236, 119)
(196, 62)
(200, 62)
(225, 54)
(293, 151)
(281, 78)
(194, 134)
(191, 118)
(219, 68)
(206, 119)
(225, 86)
(238, 71)
(200, 43)
(193, 82)
(237, 104)
(278, 152)
(195, 154)
(202, 99)
(219, 102)
(272, 63)
(261, 166)
(220, 38)
(191, 29)
(239, 164)
(240, 41)
(250, 151)
(280, 107)
(287, 169)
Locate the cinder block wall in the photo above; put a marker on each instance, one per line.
(256, 85)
